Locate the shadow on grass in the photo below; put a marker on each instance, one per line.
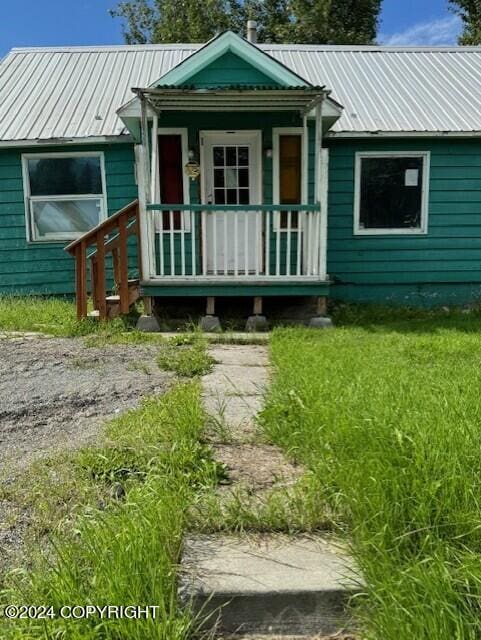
(386, 319)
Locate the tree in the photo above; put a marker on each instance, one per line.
(305, 21)
(177, 20)
(470, 14)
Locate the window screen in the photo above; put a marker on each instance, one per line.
(391, 192)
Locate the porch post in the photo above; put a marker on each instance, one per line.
(319, 191)
(154, 165)
(143, 181)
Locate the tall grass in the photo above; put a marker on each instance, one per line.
(124, 550)
(50, 315)
(390, 422)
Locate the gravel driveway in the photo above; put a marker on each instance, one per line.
(55, 392)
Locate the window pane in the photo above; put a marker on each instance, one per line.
(218, 177)
(65, 176)
(231, 156)
(219, 156)
(219, 196)
(231, 196)
(391, 193)
(243, 177)
(230, 178)
(243, 156)
(68, 217)
(243, 196)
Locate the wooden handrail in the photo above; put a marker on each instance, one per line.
(124, 223)
(107, 226)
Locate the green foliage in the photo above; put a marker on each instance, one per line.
(470, 14)
(305, 21)
(174, 21)
(119, 549)
(386, 415)
(53, 316)
(187, 360)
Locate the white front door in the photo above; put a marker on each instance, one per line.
(231, 172)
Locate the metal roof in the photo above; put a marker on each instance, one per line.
(74, 92)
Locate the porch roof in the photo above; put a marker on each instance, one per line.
(233, 98)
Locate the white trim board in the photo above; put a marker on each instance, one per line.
(423, 229)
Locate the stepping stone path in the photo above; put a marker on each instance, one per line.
(253, 585)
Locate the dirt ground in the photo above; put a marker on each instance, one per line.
(55, 392)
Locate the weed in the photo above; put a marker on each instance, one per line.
(187, 360)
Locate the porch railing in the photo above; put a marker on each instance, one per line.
(236, 242)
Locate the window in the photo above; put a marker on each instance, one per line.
(288, 173)
(391, 193)
(65, 194)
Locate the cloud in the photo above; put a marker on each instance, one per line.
(442, 31)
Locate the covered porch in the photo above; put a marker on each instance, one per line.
(250, 203)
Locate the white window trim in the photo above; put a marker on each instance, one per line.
(423, 228)
(276, 133)
(184, 143)
(29, 199)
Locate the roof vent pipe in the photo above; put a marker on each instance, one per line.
(252, 31)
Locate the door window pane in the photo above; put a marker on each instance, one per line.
(243, 156)
(243, 196)
(243, 177)
(218, 156)
(219, 196)
(230, 178)
(231, 156)
(76, 175)
(218, 177)
(391, 192)
(231, 196)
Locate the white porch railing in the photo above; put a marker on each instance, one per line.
(235, 242)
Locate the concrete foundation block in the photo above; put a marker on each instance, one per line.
(148, 324)
(269, 585)
(256, 323)
(210, 324)
(320, 322)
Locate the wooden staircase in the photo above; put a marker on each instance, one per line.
(109, 238)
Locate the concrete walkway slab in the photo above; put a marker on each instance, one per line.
(269, 584)
(248, 355)
(236, 380)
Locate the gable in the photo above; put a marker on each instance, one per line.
(224, 49)
(227, 70)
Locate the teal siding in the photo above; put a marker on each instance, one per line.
(442, 267)
(229, 70)
(40, 268)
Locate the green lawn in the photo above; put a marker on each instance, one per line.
(386, 412)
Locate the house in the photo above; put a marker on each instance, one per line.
(241, 169)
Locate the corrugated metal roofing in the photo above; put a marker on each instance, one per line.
(74, 92)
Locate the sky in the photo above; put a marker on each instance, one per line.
(87, 22)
